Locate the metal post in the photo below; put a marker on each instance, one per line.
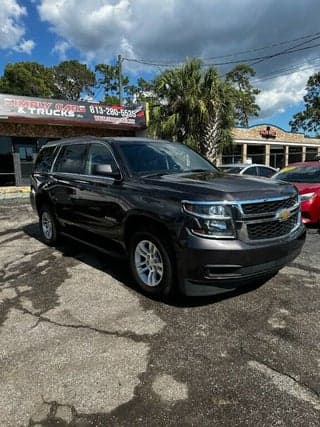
(120, 60)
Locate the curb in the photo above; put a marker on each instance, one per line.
(12, 189)
(14, 192)
(7, 196)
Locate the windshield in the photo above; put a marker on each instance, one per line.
(162, 158)
(232, 169)
(300, 173)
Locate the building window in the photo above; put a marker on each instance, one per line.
(311, 153)
(232, 154)
(295, 154)
(6, 161)
(256, 153)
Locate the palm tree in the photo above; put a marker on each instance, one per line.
(217, 115)
(195, 108)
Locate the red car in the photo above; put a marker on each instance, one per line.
(306, 177)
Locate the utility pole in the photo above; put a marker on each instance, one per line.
(120, 60)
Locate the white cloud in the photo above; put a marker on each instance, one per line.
(167, 29)
(61, 48)
(171, 30)
(96, 28)
(283, 92)
(25, 46)
(12, 29)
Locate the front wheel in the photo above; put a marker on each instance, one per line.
(151, 263)
(48, 225)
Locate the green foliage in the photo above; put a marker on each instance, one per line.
(109, 80)
(27, 79)
(71, 79)
(143, 91)
(193, 107)
(244, 93)
(309, 118)
(110, 100)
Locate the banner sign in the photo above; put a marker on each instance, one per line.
(76, 111)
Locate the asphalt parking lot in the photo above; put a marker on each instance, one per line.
(80, 346)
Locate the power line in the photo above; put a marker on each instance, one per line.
(310, 37)
(242, 60)
(285, 72)
(274, 55)
(290, 49)
(263, 47)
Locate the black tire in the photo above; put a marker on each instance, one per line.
(48, 225)
(164, 284)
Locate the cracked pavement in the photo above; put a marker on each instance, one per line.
(80, 346)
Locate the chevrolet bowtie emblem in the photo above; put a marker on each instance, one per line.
(283, 215)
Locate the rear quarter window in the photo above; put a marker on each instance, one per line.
(71, 159)
(44, 160)
(267, 172)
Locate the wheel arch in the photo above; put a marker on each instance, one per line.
(42, 199)
(143, 222)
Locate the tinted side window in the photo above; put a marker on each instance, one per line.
(44, 160)
(265, 172)
(71, 159)
(250, 171)
(99, 155)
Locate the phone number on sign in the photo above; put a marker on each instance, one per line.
(98, 109)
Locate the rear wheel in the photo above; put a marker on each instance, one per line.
(48, 225)
(151, 263)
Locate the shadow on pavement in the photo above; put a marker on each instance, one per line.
(119, 270)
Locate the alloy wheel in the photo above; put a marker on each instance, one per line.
(148, 263)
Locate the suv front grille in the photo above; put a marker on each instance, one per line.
(264, 219)
(266, 206)
(272, 229)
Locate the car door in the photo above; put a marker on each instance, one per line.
(100, 204)
(66, 179)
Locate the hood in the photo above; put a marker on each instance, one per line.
(221, 186)
(305, 187)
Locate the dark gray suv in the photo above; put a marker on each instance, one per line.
(181, 222)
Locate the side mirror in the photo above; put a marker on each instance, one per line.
(106, 170)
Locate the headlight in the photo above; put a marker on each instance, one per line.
(306, 196)
(210, 219)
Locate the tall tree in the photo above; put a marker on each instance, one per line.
(142, 91)
(194, 108)
(218, 114)
(309, 118)
(27, 79)
(71, 79)
(109, 80)
(244, 93)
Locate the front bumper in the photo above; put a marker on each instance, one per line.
(209, 267)
(310, 211)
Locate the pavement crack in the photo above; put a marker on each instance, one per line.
(129, 335)
(283, 380)
(287, 383)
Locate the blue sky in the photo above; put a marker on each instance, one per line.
(165, 32)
